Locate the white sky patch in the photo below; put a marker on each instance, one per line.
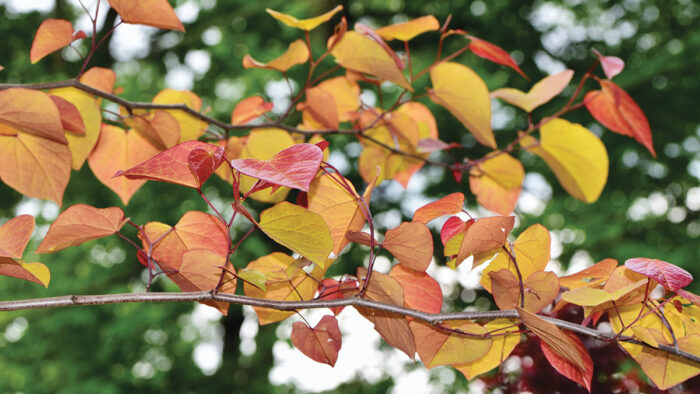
(131, 42)
(180, 78)
(279, 93)
(16, 7)
(187, 12)
(198, 61)
(203, 326)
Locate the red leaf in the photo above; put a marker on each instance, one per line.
(14, 236)
(331, 289)
(447, 205)
(294, 167)
(71, 120)
(568, 369)
(668, 275)
(320, 343)
(494, 53)
(616, 110)
(420, 290)
(81, 223)
(173, 165)
(452, 227)
(411, 243)
(249, 109)
(203, 162)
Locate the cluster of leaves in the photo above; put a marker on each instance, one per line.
(48, 129)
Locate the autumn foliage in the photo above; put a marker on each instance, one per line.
(46, 131)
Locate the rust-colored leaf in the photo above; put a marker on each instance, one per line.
(320, 343)
(448, 205)
(249, 109)
(420, 290)
(565, 367)
(52, 35)
(156, 13)
(411, 243)
(32, 272)
(173, 165)
(668, 275)
(14, 236)
(494, 53)
(160, 128)
(33, 112)
(81, 223)
(617, 111)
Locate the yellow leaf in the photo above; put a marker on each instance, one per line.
(35, 166)
(81, 145)
(297, 53)
(577, 157)
(191, 128)
(33, 272)
(359, 53)
(437, 347)
(501, 348)
(645, 335)
(407, 30)
(531, 251)
(304, 24)
(262, 144)
(497, 183)
(540, 93)
(459, 89)
(299, 229)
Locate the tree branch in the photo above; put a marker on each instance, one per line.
(432, 318)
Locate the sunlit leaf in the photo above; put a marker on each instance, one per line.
(591, 276)
(494, 53)
(297, 53)
(263, 144)
(33, 112)
(540, 93)
(577, 157)
(81, 223)
(320, 343)
(304, 24)
(420, 290)
(411, 243)
(156, 13)
(99, 78)
(407, 30)
(33, 272)
(460, 90)
(191, 128)
(668, 275)
(249, 109)
(14, 236)
(499, 351)
(200, 270)
(160, 128)
(484, 234)
(294, 167)
(52, 35)
(89, 111)
(612, 65)
(71, 120)
(497, 183)
(299, 229)
(438, 347)
(540, 288)
(450, 204)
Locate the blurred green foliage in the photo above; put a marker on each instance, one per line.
(147, 348)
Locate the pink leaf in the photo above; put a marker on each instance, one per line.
(668, 275)
(294, 167)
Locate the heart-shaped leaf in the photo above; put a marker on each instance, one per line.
(294, 167)
(320, 343)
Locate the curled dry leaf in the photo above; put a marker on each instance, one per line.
(320, 343)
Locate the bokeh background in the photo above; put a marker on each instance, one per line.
(650, 207)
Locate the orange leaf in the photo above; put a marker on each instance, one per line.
(173, 165)
(81, 223)
(320, 343)
(494, 53)
(483, 235)
(160, 128)
(338, 207)
(460, 90)
(407, 30)
(497, 183)
(116, 149)
(362, 54)
(33, 272)
(191, 128)
(99, 78)
(52, 35)
(91, 116)
(346, 96)
(320, 106)
(297, 53)
(33, 112)
(195, 230)
(201, 270)
(35, 166)
(420, 290)
(411, 243)
(156, 13)
(531, 251)
(450, 204)
(14, 236)
(70, 117)
(617, 111)
(591, 276)
(540, 93)
(392, 327)
(304, 24)
(249, 109)
(566, 367)
(437, 347)
(540, 288)
(283, 284)
(557, 341)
